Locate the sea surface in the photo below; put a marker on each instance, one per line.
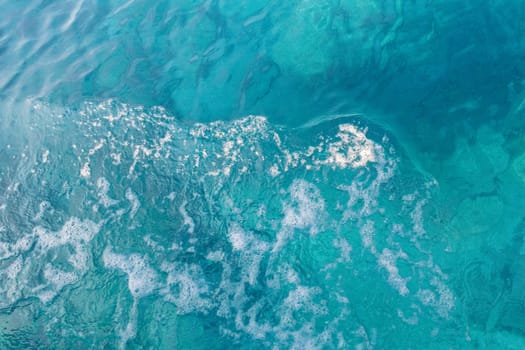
(262, 174)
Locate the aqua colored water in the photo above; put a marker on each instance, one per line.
(307, 174)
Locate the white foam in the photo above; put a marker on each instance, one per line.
(74, 231)
(85, 171)
(13, 187)
(135, 160)
(274, 170)
(42, 208)
(117, 158)
(416, 212)
(412, 320)
(135, 203)
(292, 276)
(12, 289)
(45, 156)
(227, 147)
(216, 256)
(130, 331)
(367, 235)
(253, 261)
(61, 257)
(426, 296)
(142, 279)
(187, 220)
(345, 248)
(387, 259)
(306, 209)
(8, 249)
(97, 147)
(251, 251)
(237, 237)
(353, 149)
(446, 300)
(58, 278)
(103, 189)
(299, 297)
(186, 288)
(417, 218)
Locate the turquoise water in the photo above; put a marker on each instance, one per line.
(262, 174)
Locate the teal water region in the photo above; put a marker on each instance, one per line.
(262, 174)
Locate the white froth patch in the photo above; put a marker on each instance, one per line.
(136, 153)
(187, 220)
(345, 248)
(45, 156)
(130, 331)
(417, 218)
(161, 142)
(367, 235)
(43, 207)
(299, 297)
(353, 149)
(117, 158)
(214, 173)
(291, 275)
(237, 237)
(97, 147)
(8, 250)
(387, 259)
(227, 147)
(142, 279)
(58, 278)
(412, 320)
(11, 290)
(13, 187)
(133, 199)
(274, 170)
(416, 213)
(85, 171)
(103, 189)
(186, 288)
(306, 209)
(60, 257)
(443, 301)
(426, 296)
(251, 251)
(74, 231)
(216, 256)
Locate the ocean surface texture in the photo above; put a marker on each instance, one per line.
(262, 174)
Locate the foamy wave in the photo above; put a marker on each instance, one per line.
(252, 223)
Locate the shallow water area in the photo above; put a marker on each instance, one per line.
(300, 175)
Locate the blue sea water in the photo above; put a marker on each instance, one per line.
(308, 174)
